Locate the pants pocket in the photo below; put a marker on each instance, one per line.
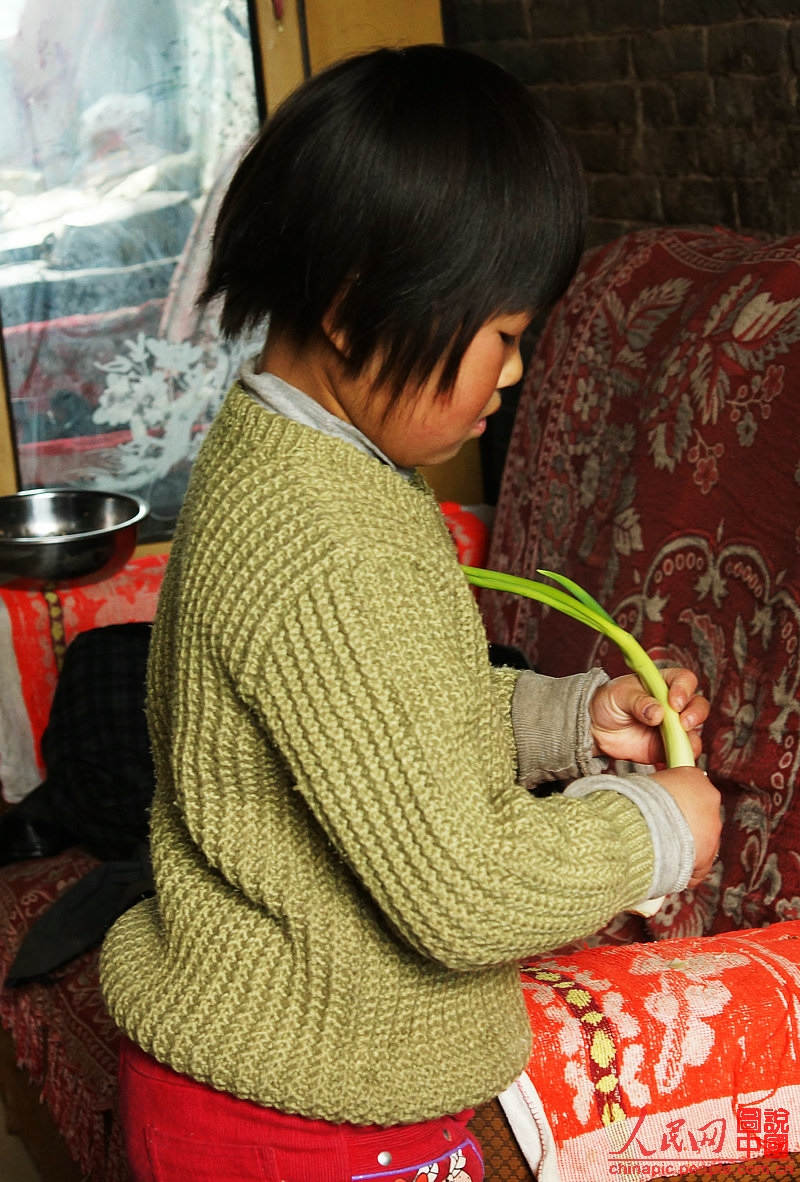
(177, 1159)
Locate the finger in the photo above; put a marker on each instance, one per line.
(647, 709)
(696, 712)
(616, 703)
(682, 687)
(696, 743)
(701, 873)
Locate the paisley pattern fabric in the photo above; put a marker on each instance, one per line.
(655, 459)
(64, 1040)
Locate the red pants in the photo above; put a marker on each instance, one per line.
(179, 1130)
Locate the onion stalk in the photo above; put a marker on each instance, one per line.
(574, 601)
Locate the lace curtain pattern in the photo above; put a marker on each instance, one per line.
(124, 120)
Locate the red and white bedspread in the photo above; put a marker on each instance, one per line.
(653, 1060)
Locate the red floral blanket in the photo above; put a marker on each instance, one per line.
(655, 460)
(653, 1060)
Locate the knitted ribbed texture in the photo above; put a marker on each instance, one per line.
(346, 868)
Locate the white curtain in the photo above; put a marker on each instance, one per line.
(122, 120)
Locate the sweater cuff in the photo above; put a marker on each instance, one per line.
(673, 844)
(552, 727)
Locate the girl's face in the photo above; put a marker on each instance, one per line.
(427, 427)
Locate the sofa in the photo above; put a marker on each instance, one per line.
(655, 459)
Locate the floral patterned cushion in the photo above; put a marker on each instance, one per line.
(64, 1040)
(655, 459)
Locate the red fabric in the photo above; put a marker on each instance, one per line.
(63, 1037)
(179, 1128)
(70, 444)
(469, 532)
(666, 1057)
(655, 459)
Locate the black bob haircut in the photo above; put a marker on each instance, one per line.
(410, 194)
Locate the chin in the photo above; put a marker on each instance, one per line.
(446, 454)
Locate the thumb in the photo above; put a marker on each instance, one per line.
(648, 709)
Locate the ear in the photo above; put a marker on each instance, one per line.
(336, 337)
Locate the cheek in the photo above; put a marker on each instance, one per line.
(475, 390)
(482, 369)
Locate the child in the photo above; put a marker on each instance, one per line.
(348, 863)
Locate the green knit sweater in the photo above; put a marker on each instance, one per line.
(346, 866)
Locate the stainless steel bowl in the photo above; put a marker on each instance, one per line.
(57, 535)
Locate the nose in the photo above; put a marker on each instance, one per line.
(511, 372)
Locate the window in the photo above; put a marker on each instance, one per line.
(122, 122)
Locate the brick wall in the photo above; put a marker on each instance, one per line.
(683, 111)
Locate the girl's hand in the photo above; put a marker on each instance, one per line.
(699, 801)
(625, 718)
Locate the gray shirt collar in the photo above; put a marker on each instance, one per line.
(280, 398)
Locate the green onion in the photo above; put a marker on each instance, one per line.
(579, 604)
(576, 602)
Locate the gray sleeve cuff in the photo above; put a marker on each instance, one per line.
(552, 728)
(673, 844)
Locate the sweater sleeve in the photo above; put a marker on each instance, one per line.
(550, 718)
(673, 844)
(375, 693)
(549, 748)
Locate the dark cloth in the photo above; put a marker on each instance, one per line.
(80, 917)
(97, 792)
(508, 655)
(99, 771)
